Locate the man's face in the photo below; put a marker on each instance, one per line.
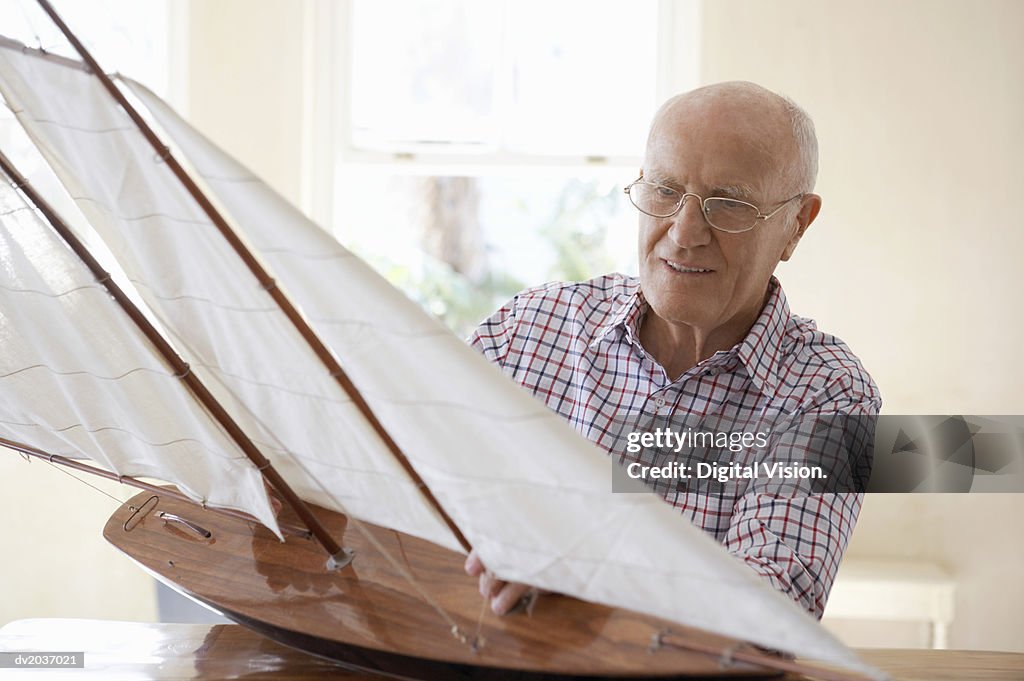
(715, 149)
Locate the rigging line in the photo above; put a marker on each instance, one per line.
(478, 640)
(27, 452)
(736, 652)
(337, 557)
(318, 347)
(87, 484)
(39, 53)
(206, 449)
(31, 25)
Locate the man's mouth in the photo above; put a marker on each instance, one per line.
(685, 269)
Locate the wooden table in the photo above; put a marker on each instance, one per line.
(119, 651)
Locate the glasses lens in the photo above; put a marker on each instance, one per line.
(730, 216)
(654, 199)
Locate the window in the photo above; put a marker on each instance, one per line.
(481, 146)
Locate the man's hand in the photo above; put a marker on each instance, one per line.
(504, 596)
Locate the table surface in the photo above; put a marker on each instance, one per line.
(188, 652)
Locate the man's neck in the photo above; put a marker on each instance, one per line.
(679, 347)
(676, 347)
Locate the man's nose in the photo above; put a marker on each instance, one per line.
(689, 228)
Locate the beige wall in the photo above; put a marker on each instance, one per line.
(916, 258)
(55, 561)
(246, 88)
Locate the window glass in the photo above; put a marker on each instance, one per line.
(574, 77)
(461, 246)
(423, 73)
(584, 77)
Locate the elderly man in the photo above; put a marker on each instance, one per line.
(724, 194)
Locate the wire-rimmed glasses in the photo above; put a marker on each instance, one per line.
(727, 215)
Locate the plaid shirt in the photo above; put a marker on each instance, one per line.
(576, 347)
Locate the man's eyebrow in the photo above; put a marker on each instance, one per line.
(660, 178)
(734, 191)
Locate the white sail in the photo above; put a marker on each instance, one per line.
(78, 378)
(230, 330)
(532, 495)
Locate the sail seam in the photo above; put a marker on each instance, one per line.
(274, 386)
(247, 179)
(201, 299)
(201, 222)
(66, 126)
(83, 372)
(332, 321)
(337, 255)
(33, 291)
(133, 435)
(17, 210)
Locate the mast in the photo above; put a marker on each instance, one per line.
(339, 557)
(263, 277)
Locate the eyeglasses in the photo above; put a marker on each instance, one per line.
(726, 215)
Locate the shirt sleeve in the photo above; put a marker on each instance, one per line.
(493, 337)
(795, 538)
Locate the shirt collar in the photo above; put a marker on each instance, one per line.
(626, 316)
(760, 351)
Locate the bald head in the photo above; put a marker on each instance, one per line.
(772, 126)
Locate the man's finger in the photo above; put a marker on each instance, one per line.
(508, 597)
(490, 585)
(474, 566)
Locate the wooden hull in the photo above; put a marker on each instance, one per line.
(368, 617)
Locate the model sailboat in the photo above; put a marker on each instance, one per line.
(360, 402)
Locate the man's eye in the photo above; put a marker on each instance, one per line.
(666, 193)
(724, 205)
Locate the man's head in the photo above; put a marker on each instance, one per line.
(734, 140)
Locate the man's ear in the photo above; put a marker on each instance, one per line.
(809, 207)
